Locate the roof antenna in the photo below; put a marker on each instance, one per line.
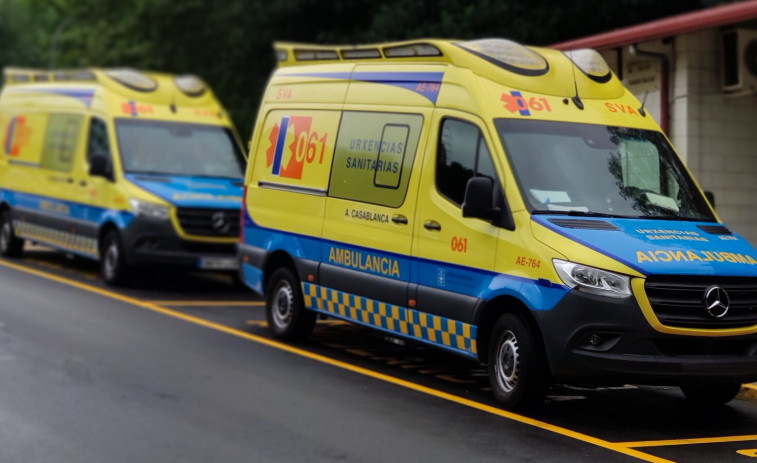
(576, 99)
(172, 106)
(643, 111)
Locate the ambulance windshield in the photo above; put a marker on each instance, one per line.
(586, 169)
(171, 148)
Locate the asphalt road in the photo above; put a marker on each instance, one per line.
(182, 369)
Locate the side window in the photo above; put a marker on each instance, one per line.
(61, 141)
(98, 139)
(374, 157)
(463, 154)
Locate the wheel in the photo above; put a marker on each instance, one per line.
(518, 370)
(704, 393)
(10, 244)
(287, 316)
(112, 263)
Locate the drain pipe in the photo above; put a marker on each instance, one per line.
(634, 50)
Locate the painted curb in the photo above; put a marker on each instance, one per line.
(748, 392)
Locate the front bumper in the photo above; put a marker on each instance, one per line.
(600, 341)
(148, 242)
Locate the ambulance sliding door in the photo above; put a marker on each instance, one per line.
(52, 216)
(370, 207)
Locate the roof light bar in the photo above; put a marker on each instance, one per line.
(508, 55)
(412, 50)
(132, 79)
(314, 55)
(83, 75)
(591, 63)
(190, 85)
(363, 53)
(19, 78)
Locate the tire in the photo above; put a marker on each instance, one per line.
(710, 394)
(10, 244)
(113, 267)
(288, 319)
(518, 370)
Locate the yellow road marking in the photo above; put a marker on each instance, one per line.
(209, 303)
(702, 440)
(617, 447)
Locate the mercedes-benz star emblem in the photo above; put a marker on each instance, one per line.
(220, 223)
(716, 301)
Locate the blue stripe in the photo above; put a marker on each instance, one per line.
(280, 142)
(426, 84)
(84, 95)
(10, 134)
(381, 77)
(386, 77)
(482, 284)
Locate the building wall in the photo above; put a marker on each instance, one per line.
(721, 134)
(714, 132)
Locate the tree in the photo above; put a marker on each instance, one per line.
(228, 44)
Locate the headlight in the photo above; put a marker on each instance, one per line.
(593, 280)
(148, 209)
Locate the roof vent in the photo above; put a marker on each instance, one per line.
(190, 85)
(591, 63)
(508, 55)
(132, 79)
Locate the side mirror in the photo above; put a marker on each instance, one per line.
(100, 166)
(479, 199)
(710, 197)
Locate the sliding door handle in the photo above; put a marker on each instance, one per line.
(432, 225)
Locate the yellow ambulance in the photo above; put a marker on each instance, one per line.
(510, 204)
(128, 167)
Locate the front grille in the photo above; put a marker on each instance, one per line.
(679, 301)
(209, 222)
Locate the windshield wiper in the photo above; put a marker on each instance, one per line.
(678, 217)
(584, 214)
(147, 172)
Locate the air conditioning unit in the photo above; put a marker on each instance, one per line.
(739, 63)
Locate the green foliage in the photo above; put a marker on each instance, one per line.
(228, 43)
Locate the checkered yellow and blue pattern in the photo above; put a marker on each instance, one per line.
(58, 238)
(405, 322)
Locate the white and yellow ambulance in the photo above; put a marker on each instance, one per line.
(511, 204)
(128, 167)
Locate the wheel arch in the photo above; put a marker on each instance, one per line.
(104, 230)
(274, 260)
(491, 311)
